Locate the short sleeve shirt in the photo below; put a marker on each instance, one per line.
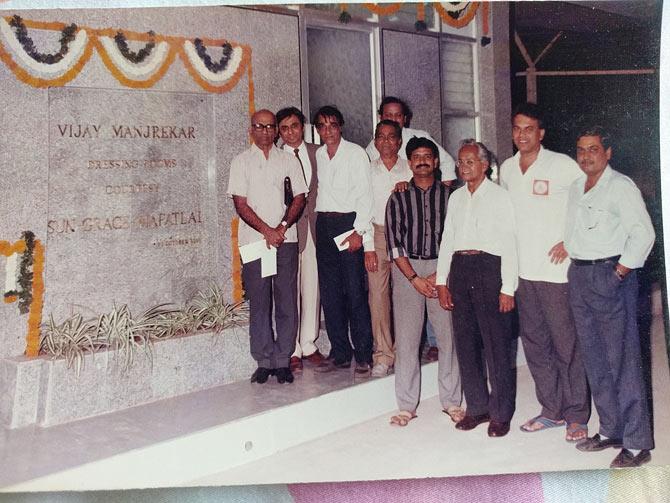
(261, 181)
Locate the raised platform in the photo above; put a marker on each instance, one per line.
(44, 392)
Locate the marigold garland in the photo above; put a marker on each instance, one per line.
(176, 46)
(462, 20)
(29, 245)
(384, 9)
(238, 292)
(35, 313)
(420, 24)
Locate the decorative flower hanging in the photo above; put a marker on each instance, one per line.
(456, 14)
(136, 69)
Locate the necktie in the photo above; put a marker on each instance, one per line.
(295, 151)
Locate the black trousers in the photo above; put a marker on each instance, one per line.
(343, 295)
(483, 336)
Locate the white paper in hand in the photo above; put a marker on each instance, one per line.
(342, 237)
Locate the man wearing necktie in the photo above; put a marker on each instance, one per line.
(291, 123)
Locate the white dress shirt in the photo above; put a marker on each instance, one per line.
(383, 183)
(261, 181)
(540, 199)
(447, 164)
(610, 219)
(481, 221)
(304, 159)
(345, 186)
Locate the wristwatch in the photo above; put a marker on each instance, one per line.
(284, 223)
(360, 233)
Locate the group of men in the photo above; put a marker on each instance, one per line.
(558, 243)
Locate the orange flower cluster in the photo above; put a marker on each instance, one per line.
(35, 312)
(463, 20)
(238, 292)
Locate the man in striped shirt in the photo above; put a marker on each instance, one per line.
(414, 223)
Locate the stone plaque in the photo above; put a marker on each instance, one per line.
(132, 199)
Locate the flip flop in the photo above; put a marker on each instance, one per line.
(575, 432)
(455, 412)
(544, 422)
(402, 419)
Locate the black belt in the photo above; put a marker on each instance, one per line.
(335, 213)
(468, 252)
(578, 261)
(420, 257)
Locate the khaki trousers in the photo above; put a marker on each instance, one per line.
(379, 298)
(309, 308)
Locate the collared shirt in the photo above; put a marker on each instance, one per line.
(261, 181)
(610, 219)
(304, 159)
(383, 182)
(414, 221)
(481, 221)
(344, 186)
(447, 164)
(540, 199)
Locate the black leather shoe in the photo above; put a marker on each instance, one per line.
(498, 428)
(595, 443)
(626, 459)
(471, 422)
(284, 375)
(261, 375)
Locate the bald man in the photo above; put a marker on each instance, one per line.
(258, 177)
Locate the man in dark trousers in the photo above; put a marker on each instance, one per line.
(608, 235)
(257, 186)
(478, 255)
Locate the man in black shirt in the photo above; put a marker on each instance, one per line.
(414, 224)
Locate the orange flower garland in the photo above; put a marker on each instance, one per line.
(384, 9)
(462, 21)
(35, 312)
(176, 48)
(238, 292)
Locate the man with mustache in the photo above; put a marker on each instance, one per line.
(478, 255)
(538, 181)
(414, 223)
(609, 235)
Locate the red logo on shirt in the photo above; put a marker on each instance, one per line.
(541, 187)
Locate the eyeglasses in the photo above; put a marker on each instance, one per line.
(260, 127)
(469, 163)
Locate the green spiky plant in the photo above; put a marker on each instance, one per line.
(119, 331)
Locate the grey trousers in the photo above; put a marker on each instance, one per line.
(409, 307)
(549, 340)
(267, 351)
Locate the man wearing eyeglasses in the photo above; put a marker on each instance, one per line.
(385, 172)
(257, 186)
(538, 181)
(343, 231)
(609, 235)
(396, 110)
(291, 129)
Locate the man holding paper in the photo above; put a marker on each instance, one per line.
(343, 231)
(260, 178)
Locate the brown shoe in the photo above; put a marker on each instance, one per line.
(498, 428)
(626, 459)
(315, 358)
(296, 364)
(433, 354)
(471, 422)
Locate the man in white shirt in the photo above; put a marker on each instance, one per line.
(386, 171)
(609, 235)
(478, 255)
(343, 232)
(538, 181)
(257, 185)
(392, 108)
(291, 123)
